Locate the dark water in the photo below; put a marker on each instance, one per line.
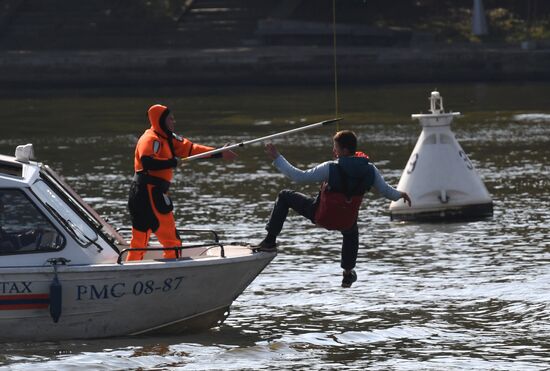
(461, 296)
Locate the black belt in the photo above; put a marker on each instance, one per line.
(141, 178)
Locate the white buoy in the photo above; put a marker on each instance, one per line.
(439, 177)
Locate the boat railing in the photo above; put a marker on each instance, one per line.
(126, 232)
(178, 249)
(199, 231)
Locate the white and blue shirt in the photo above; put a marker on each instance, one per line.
(320, 173)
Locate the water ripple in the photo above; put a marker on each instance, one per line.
(471, 295)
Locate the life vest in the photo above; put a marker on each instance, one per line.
(340, 198)
(361, 154)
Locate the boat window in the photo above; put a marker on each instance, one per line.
(82, 232)
(11, 169)
(23, 228)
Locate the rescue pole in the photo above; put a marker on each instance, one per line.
(261, 139)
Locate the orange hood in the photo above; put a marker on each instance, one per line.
(157, 116)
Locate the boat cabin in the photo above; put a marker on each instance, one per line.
(41, 216)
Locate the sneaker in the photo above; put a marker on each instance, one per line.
(267, 246)
(349, 278)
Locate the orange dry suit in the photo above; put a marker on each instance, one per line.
(154, 162)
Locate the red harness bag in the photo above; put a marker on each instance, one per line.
(335, 210)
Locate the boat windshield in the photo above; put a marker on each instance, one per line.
(23, 227)
(87, 212)
(83, 233)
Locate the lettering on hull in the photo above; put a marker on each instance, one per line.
(17, 287)
(119, 289)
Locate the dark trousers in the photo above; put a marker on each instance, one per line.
(305, 206)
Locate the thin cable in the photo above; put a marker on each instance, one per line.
(335, 66)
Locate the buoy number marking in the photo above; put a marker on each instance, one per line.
(464, 157)
(412, 163)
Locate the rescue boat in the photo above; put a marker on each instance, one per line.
(63, 273)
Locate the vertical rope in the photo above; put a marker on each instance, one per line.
(335, 66)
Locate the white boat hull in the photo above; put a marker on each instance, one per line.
(105, 300)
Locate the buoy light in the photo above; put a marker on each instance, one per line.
(436, 103)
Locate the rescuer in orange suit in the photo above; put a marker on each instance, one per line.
(156, 156)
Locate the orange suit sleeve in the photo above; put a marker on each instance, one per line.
(185, 148)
